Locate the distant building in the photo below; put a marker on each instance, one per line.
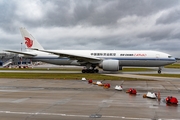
(14, 58)
(178, 60)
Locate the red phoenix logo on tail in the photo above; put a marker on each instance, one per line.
(28, 42)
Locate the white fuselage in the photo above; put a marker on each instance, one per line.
(141, 58)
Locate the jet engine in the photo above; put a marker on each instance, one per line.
(110, 65)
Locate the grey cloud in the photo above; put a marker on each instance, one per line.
(102, 15)
(175, 34)
(156, 33)
(170, 17)
(7, 16)
(96, 12)
(10, 44)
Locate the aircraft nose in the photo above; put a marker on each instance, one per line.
(174, 60)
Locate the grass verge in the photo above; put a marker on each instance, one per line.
(163, 75)
(175, 65)
(63, 76)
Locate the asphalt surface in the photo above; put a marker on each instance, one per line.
(42, 99)
(145, 77)
(39, 99)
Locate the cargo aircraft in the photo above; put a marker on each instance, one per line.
(108, 60)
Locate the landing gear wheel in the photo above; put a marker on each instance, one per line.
(83, 71)
(96, 70)
(90, 70)
(159, 71)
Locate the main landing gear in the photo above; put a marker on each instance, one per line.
(159, 70)
(90, 70)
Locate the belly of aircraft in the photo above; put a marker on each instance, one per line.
(58, 61)
(144, 63)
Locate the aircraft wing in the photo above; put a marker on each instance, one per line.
(18, 52)
(80, 58)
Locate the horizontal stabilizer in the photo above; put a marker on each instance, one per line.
(18, 52)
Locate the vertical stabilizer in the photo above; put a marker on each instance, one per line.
(29, 40)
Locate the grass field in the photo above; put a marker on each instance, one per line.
(62, 76)
(67, 76)
(164, 75)
(136, 69)
(175, 65)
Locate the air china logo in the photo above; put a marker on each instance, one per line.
(140, 54)
(28, 42)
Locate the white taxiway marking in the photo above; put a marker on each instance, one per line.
(9, 90)
(20, 100)
(68, 115)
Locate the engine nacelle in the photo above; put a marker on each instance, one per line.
(110, 65)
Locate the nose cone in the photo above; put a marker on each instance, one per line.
(173, 60)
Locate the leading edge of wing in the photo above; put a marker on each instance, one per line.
(18, 52)
(71, 56)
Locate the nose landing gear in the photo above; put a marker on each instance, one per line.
(159, 70)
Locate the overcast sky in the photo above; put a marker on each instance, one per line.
(93, 24)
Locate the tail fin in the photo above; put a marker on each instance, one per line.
(29, 40)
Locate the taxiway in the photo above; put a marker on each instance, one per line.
(40, 99)
(45, 99)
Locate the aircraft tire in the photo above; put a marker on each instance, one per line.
(96, 71)
(159, 71)
(83, 71)
(90, 70)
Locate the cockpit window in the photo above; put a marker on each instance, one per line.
(169, 56)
